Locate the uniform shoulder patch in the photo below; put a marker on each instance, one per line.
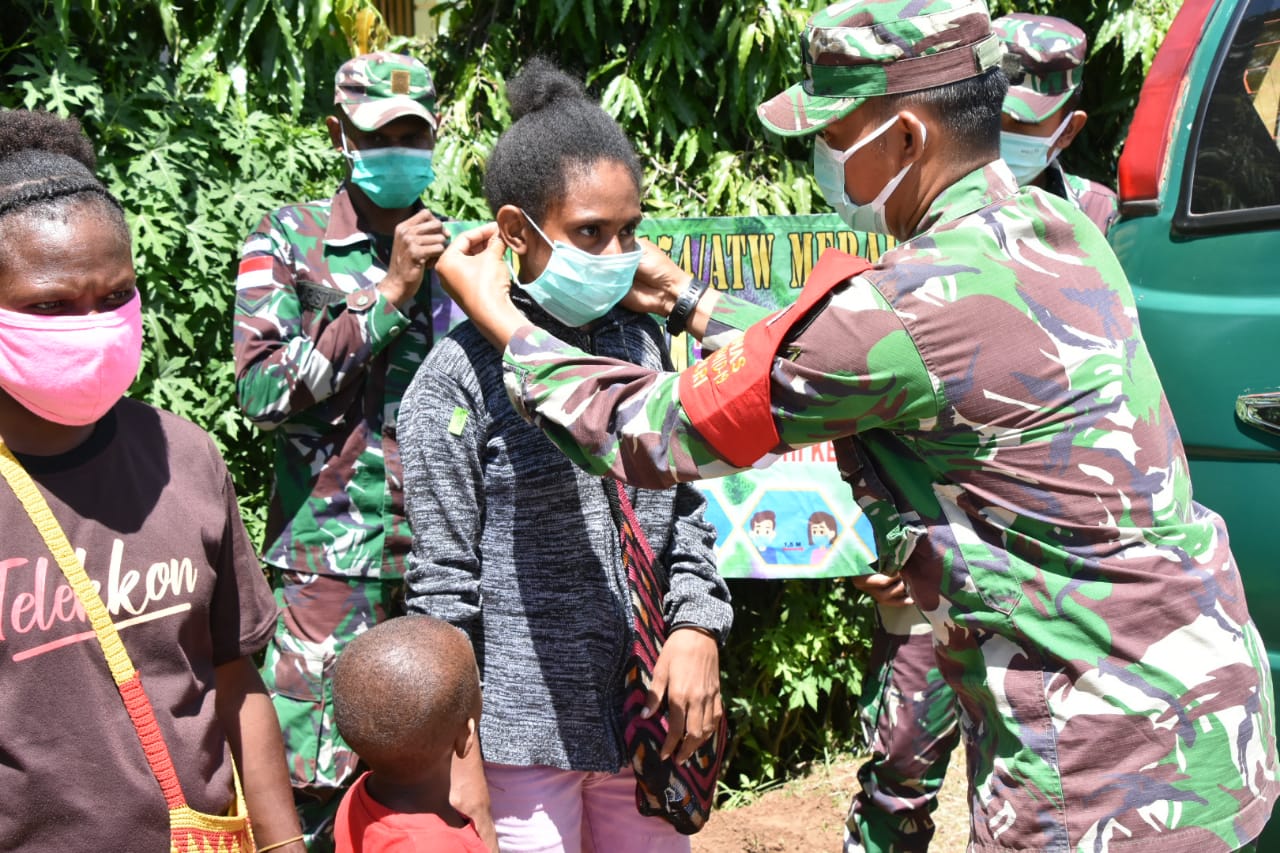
(317, 297)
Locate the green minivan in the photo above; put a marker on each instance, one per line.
(1199, 236)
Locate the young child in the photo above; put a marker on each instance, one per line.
(406, 698)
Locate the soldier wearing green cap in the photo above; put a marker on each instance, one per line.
(334, 311)
(1042, 115)
(908, 711)
(997, 415)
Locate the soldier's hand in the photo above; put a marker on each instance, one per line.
(474, 275)
(657, 284)
(416, 245)
(888, 590)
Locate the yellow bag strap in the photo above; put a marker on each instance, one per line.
(126, 677)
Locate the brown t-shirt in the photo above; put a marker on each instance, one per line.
(148, 503)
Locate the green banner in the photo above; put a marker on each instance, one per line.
(795, 518)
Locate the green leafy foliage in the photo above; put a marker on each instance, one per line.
(683, 79)
(207, 114)
(192, 112)
(793, 670)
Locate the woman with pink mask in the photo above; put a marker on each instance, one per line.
(117, 510)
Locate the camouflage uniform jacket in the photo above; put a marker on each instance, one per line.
(1020, 465)
(1098, 201)
(322, 361)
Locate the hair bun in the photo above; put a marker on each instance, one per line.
(538, 85)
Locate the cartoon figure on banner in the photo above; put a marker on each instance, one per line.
(764, 528)
(794, 532)
(822, 536)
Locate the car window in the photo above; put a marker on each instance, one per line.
(1235, 160)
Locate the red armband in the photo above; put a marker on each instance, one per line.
(726, 395)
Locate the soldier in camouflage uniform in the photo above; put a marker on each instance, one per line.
(908, 711)
(333, 317)
(1015, 453)
(1041, 117)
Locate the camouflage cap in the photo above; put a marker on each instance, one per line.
(858, 49)
(376, 88)
(1051, 53)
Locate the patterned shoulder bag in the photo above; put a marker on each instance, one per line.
(681, 794)
(190, 831)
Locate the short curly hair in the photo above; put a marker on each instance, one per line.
(402, 692)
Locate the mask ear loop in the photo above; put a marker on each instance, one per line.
(843, 156)
(882, 198)
(544, 237)
(506, 259)
(1057, 134)
(509, 253)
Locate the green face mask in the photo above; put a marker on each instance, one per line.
(1028, 156)
(392, 178)
(577, 287)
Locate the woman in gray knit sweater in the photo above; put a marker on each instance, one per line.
(517, 546)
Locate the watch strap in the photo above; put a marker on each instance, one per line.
(678, 319)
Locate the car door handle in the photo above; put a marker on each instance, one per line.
(1260, 410)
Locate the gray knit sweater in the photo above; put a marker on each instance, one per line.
(517, 546)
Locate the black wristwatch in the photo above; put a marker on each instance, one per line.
(678, 319)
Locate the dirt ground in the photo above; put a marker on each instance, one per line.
(807, 815)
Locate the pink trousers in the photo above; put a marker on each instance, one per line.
(547, 810)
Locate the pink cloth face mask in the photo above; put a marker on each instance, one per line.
(70, 369)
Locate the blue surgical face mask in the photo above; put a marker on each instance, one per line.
(828, 169)
(577, 287)
(1028, 156)
(761, 540)
(822, 541)
(392, 178)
